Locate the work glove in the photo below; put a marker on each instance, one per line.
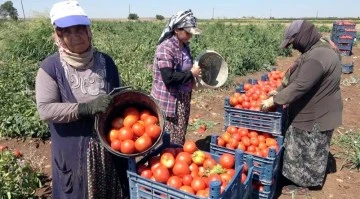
(97, 105)
(267, 104)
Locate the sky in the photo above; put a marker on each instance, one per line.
(204, 9)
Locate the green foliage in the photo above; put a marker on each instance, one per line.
(349, 142)
(7, 10)
(324, 28)
(23, 44)
(18, 179)
(133, 16)
(160, 17)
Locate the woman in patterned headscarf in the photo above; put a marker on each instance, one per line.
(71, 87)
(174, 72)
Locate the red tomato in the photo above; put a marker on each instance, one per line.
(140, 168)
(253, 134)
(245, 105)
(209, 163)
(169, 150)
(262, 145)
(225, 177)
(233, 143)
(174, 181)
(144, 114)
(251, 149)
(187, 189)
(189, 146)
(243, 132)
(185, 157)
(198, 184)
(143, 143)
(117, 122)
(243, 178)
(214, 177)
(241, 146)
(138, 129)
(254, 141)
(147, 173)
(261, 138)
(226, 137)
(116, 145)
(131, 111)
(194, 167)
(237, 136)
(125, 133)
(167, 160)
(113, 135)
(187, 179)
(231, 129)
(153, 131)
(202, 194)
(220, 141)
(227, 161)
(130, 120)
(245, 141)
(180, 169)
(270, 142)
(127, 147)
(150, 120)
(161, 174)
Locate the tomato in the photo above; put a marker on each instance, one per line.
(150, 120)
(194, 167)
(253, 134)
(198, 157)
(198, 184)
(117, 122)
(143, 143)
(245, 141)
(245, 168)
(147, 173)
(237, 136)
(231, 172)
(153, 131)
(209, 163)
(201, 171)
(144, 114)
(161, 174)
(169, 150)
(116, 145)
(240, 99)
(202, 194)
(226, 137)
(270, 142)
(195, 173)
(138, 129)
(189, 146)
(180, 169)
(225, 177)
(245, 105)
(187, 189)
(229, 146)
(131, 111)
(243, 132)
(187, 179)
(174, 181)
(113, 135)
(127, 147)
(247, 86)
(167, 160)
(231, 129)
(227, 161)
(140, 168)
(241, 146)
(251, 149)
(220, 141)
(243, 178)
(185, 157)
(130, 120)
(261, 138)
(233, 101)
(125, 133)
(233, 143)
(254, 141)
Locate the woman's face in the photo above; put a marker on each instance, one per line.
(75, 38)
(183, 36)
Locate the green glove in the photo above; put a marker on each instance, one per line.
(267, 104)
(95, 106)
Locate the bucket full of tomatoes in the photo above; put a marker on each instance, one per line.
(132, 125)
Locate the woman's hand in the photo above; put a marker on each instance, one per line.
(195, 70)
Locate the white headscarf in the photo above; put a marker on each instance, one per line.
(181, 19)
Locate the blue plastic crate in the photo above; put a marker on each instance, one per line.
(343, 41)
(143, 188)
(345, 52)
(268, 192)
(270, 122)
(349, 33)
(347, 47)
(264, 168)
(347, 68)
(337, 26)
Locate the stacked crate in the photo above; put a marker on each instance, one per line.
(266, 170)
(343, 35)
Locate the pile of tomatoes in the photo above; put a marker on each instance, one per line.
(255, 94)
(251, 142)
(189, 169)
(134, 131)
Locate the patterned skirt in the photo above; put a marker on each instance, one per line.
(306, 156)
(107, 177)
(177, 126)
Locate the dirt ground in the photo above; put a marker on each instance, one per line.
(340, 184)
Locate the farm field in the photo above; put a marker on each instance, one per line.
(248, 50)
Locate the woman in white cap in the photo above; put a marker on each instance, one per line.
(312, 92)
(71, 87)
(174, 72)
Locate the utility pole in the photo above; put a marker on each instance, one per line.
(213, 13)
(129, 9)
(270, 13)
(22, 6)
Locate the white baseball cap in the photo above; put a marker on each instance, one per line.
(68, 13)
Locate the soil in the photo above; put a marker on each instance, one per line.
(340, 183)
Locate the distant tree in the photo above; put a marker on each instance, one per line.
(7, 10)
(160, 17)
(133, 16)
